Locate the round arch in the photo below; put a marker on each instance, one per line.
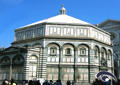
(68, 44)
(109, 54)
(96, 46)
(5, 59)
(18, 59)
(103, 56)
(33, 55)
(54, 44)
(84, 45)
(96, 51)
(103, 48)
(68, 49)
(53, 48)
(83, 49)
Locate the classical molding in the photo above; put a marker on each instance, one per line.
(58, 38)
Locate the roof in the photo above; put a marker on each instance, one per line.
(109, 20)
(60, 19)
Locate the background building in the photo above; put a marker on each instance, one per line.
(60, 47)
(113, 26)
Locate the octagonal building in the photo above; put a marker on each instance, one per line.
(61, 47)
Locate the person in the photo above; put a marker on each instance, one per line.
(13, 82)
(57, 82)
(73, 82)
(107, 82)
(68, 82)
(60, 83)
(30, 82)
(38, 82)
(46, 82)
(5, 82)
(51, 82)
(26, 82)
(23, 82)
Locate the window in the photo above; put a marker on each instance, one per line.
(33, 67)
(103, 57)
(53, 51)
(103, 53)
(68, 51)
(96, 52)
(52, 73)
(82, 51)
(109, 55)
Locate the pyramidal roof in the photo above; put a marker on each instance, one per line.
(62, 18)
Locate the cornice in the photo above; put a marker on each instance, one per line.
(69, 24)
(63, 38)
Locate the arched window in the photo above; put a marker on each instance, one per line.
(103, 53)
(53, 51)
(109, 55)
(96, 51)
(103, 57)
(82, 51)
(68, 51)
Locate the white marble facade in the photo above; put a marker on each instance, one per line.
(61, 47)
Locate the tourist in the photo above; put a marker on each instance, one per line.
(68, 82)
(73, 82)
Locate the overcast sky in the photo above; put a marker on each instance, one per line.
(17, 13)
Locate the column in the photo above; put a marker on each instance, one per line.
(74, 67)
(59, 66)
(89, 65)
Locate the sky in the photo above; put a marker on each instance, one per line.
(17, 13)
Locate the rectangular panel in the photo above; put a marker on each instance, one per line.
(57, 59)
(78, 59)
(53, 59)
(72, 59)
(64, 59)
(82, 59)
(48, 59)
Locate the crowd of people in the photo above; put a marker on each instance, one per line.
(109, 82)
(37, 82)
(11, 82)
(58, 82)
